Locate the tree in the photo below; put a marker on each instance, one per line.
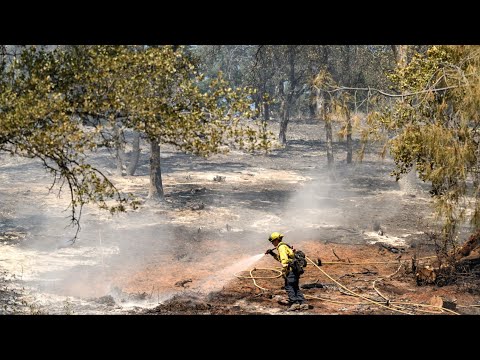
(400, 52)
(273, 69)
(158, 91)
(37, 120)
(242, 65)
(324, 108)
(436, 127)
(58, 105)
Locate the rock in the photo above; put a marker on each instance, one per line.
(449, 305)
(436, 300)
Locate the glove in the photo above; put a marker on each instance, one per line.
(269, 251)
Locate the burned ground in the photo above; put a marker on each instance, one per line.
(217, 217)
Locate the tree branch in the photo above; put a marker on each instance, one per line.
(388, 94)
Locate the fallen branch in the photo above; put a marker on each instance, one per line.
(339, 259)
(366, 272)
(391, 248)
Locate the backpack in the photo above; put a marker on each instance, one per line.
(299, 261)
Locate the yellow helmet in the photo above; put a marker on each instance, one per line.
(275, 235)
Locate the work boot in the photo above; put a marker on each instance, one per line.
(284, 302)
(294, 307)
(304, 307)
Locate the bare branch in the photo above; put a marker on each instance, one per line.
(388, 94)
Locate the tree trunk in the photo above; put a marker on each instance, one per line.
(263, 81)
(476, 184)
(328, 131)
(400, 53)
(282, 136)
(347, 68)
(120, 149)
(289, 95)
(266, 111)
(349, 140)
(322, 113)
(156, 188)
(349, 134)
(409, 181)
(132, 167)
(311, 109)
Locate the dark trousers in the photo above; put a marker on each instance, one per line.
(293, 290)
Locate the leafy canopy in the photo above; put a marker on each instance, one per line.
(57, 106)
(437, 128)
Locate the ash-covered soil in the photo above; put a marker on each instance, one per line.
(188, 256)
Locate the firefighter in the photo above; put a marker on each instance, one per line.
(285, 256)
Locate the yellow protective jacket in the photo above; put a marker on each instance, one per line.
(285, 256)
